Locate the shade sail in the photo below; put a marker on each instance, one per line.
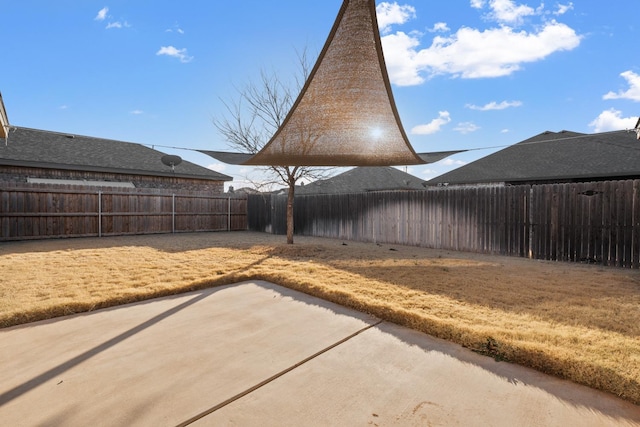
(437, 156)
(242, 158)
(345, 114)
(230, 158)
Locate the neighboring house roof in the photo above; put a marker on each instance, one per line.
(4, 120)
(363, 179)
(53, 150)
(554, 157)
(244, 190)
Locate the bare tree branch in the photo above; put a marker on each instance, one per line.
(257, 114)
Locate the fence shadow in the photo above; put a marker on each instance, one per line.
(165, 242)
(572, 294)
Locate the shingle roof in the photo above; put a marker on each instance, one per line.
(4, 120)
(554, 156)
(363, 179)
(44, 149)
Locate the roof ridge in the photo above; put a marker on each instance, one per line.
(74, 135)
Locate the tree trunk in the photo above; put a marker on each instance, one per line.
(290, 198)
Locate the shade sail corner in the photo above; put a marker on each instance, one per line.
(227, 157)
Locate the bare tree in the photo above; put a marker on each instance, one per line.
(254, 117)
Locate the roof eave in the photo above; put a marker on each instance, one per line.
(22, 163)
(631, 175)
(4, 120)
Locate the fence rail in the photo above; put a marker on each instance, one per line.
(595, 222)
(582, 222)
(36, 211)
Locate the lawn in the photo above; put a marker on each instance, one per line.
(574, 321)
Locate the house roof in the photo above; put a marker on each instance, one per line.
(53, 150)
(364, 179)
(4, 120)
(554, 156)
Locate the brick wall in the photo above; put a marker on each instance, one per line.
(20, 174)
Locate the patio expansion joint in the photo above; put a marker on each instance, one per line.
(276, 376)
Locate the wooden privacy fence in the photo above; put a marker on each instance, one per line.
(582, 222)
(36, 211)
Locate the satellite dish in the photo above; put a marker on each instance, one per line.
(171, 160)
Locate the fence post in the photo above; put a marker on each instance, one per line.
(173, 213)
(99, 213)
(229, 215)
(531, 218)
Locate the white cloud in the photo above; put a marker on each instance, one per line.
(633, 93)
(392, 13)
(401, 57)
(102, 14)
(466, 127)
(452, 162)
(505, 131)
(406, 169)
(429, 172)
(180, 54)
(434, 126)
(440, 27)
(496, 51)
(175, 28)
(507, 12)
(63, 107)
(218, 167)
(136, 112)
(612, 119)
(118, 24)
(495, 106)
(472, 53)
(563, 8)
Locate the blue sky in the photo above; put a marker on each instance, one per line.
(466, 74)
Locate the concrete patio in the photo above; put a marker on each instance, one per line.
(256, 353)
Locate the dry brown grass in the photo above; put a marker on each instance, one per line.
(574, 321)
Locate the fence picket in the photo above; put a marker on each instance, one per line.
(32, 211)
(591, 222)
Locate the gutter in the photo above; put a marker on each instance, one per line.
(85, 168)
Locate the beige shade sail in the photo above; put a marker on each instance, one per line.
(345, 114)
(243, 158)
